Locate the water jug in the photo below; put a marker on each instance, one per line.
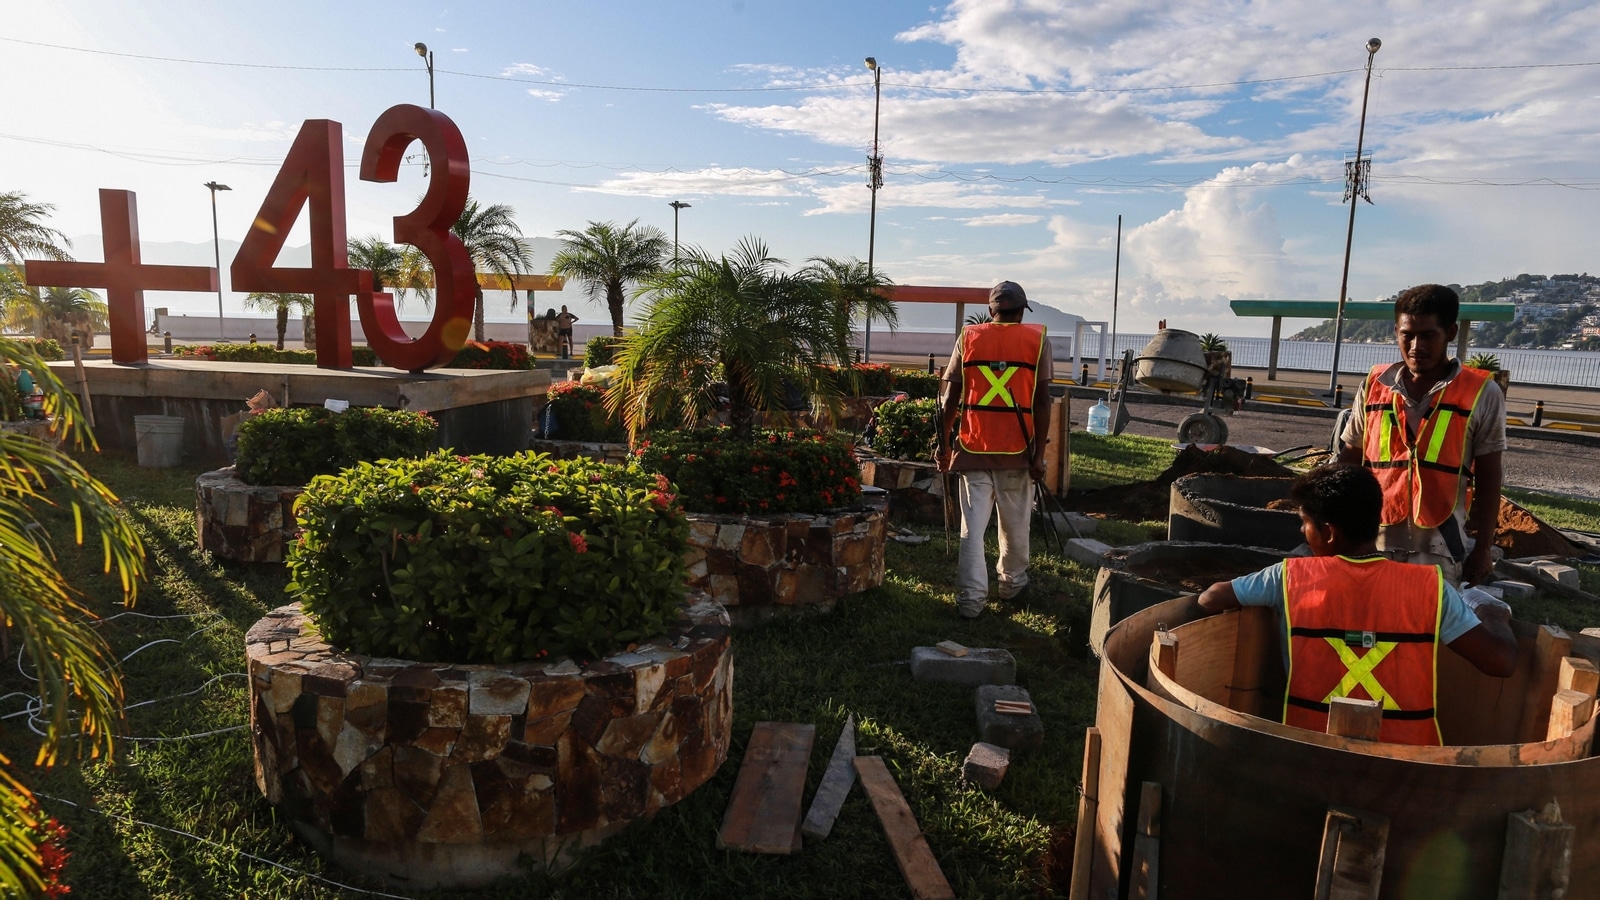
(1100, 418)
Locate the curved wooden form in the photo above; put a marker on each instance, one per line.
(1245, 800)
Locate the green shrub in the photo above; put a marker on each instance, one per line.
(487, 559)
(580, 414)
(492, 355)
(778, 471)
(601, 350)
(865, 380)
(48, 348)
(1485, 361)
(906, 429)
(294, 445)
(917, 385)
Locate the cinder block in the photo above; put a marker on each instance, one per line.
(1016, 733)
(981, 665)
(1566, 575)
(986, 765)
(1082, 525)
(1514, 590)
(1088, 551)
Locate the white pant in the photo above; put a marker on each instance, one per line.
(983, 491)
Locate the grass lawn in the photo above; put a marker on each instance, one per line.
(182, 818)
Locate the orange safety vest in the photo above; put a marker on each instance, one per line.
(998, 365)
(1365, 628)
(1421, 478)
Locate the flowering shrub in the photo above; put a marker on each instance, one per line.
(48, 348)
(486, 559)
(293, 445)
(492, 355)
(779, 471)
(881, 380)
(50, 837)
(601, 350)
(906, 429)
(580, 414)
(917, 385)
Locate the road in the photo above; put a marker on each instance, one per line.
(1539, 465)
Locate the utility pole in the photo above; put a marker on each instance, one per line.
(1355, 187)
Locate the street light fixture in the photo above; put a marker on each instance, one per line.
(874, 181)
(216, 249)
(676, 205)
(1355, 187)
(427, 57)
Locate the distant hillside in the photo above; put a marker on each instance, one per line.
(1552, 311)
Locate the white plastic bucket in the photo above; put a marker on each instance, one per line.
(159, 440)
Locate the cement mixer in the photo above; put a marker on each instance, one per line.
(1173, 363)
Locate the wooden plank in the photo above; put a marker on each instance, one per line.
(1538, 858)
(1088, 802)
(1146, 874)
(1355, 718)
(837, 780)
(1114, 707)
(906, 840)
(763, 814)
(1166, 653)
(1579, 674)
(1551, 645)
(1255, 644)
(1568, 711)
(950, 648)
(1353, 847)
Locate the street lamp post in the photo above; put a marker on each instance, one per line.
(427, 57)
(676, 205)
(1355, 186)
(216, 249)
(874, 181)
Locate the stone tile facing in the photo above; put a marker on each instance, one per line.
(444, 775)
(243, 522)
(781, 563)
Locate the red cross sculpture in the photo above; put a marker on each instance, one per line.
(123, 277)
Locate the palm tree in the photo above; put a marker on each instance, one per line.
(400, 269)
(23, 232)
(495, 244)
(80, 693)
(280, 305)
(862, 292)
(56, 313)
(742, 315)
(606, 259)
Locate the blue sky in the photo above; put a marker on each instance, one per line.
(1014, 131)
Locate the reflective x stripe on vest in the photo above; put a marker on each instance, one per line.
(999, 362)
(1421, 477)
(1364, 628)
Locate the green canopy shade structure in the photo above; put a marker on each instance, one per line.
(1278, 310)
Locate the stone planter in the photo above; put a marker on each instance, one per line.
(243, 522)
(779, 564)
(38, 429)
(435, 775)
(604, 452)
(916, 491)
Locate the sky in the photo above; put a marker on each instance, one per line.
(1014, 133)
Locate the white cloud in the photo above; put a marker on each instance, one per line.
(1001, 220)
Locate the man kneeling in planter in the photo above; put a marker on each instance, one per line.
(998, 384)
(1359, 625)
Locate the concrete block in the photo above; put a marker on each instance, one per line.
(1591, 632)
(1514, 590)
(1492, 590)
(986, 765)
(1070, 522)
(1088, 551)
(1016, 733)
(981, 665)
(1566, 575)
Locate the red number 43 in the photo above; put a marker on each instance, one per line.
(314, 171)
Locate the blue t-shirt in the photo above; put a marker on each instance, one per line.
(1265, 588)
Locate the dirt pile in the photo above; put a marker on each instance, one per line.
(1190, 574)
(1521, 533)
(1147, 501)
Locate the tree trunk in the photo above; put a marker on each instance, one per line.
(283, 324)
(309, 331)
(741, 415)
(477, 315)
(614, 301)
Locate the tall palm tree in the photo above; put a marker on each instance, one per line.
(607, 259)
(742, 315)
(399, 269)
(280, 305)
(55, 312)
(496, 246)
(23, 232)
(860, 291)
(80, 692)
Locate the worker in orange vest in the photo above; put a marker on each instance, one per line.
(1356, 624)
(1434, 432)
(997, 386)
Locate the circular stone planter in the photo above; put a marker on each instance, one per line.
(243, 522)
(1138, 577)
(604, 452)
(431, 775)
(1231, 509)
(916, 492)
(759, 567)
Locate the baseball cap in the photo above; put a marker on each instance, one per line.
(1008, 295)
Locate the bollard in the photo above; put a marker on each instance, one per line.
(1538, 414)
(858, 354)
(1249, 386)
(252, 338)
(1083, 376)
(166, 342)
(930, 363)
(1338, 396)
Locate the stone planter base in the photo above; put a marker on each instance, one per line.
(38, 429)
(916, 492)
(433, 775)
(611, 453)
(784, 563)
(243, 522)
